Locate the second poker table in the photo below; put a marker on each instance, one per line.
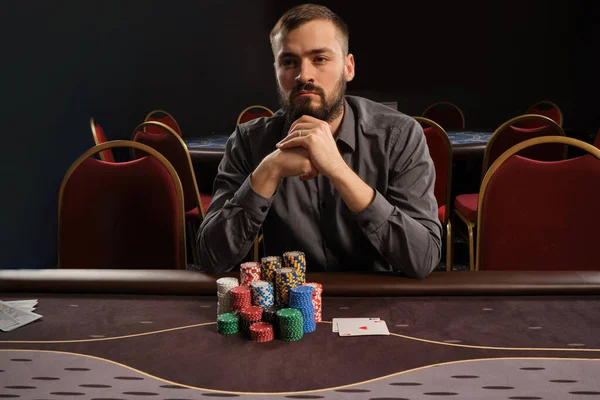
(124, 334)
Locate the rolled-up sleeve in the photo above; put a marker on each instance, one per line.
(236, 212)
(402, 224)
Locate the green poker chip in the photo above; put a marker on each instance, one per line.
(227, 324)
(291, 324)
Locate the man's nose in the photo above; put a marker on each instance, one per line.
(306, 73)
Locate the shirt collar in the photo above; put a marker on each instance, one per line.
(347, 129)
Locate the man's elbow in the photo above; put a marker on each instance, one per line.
(422, 273)
(429, 261)
(207, 261)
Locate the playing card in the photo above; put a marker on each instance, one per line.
(23, 305)
(12, 318)
(334, 328)
(335, 321)
(354, 328)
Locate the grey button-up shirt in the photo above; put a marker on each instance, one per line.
(399, 231)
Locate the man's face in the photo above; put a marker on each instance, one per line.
(312, 71)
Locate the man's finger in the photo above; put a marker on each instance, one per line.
(294, 142)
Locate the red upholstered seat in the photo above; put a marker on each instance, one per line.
(99, 138)
(466, 204)
(195, 214)
(252, 112)
(165, 118)
(549, 221)
(169, 146)
(597, 140)
(106, 221)
(448, 115)
(205, 199)
(440, 150)
(442, 213)
(168, 143)
(506, 136)
(545, 108)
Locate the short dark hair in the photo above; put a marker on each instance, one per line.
(304, 13)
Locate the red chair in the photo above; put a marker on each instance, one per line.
(168, 143)
(506, 136)
(105, 220)
(540, 215)
(447, 114)
(545, 108)
(440, 150)
(99, 138)
(252, 112)
(163, 117)
(597, 140)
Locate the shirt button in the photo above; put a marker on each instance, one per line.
(263, 209)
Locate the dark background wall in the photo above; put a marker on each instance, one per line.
(205, 60)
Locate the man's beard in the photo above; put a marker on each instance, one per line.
(327, 111)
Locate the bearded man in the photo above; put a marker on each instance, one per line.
(345, 180)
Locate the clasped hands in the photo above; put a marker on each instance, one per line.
(308, 150)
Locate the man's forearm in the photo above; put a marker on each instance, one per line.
(355, 193)
(264, 180)
(410, 244)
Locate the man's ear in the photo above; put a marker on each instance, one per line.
(349, 68)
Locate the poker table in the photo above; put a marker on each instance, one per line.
(466, 144)
(135, 334)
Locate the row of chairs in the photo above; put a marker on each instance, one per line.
(546, 154)
(451, 117)
(247, 114)
(531, 214)
(160, 134)
(166, 139)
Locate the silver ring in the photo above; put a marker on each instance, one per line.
(299, 133)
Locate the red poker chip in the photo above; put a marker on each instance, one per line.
(238, 290)
(252, 313)
(262, 332)
(261, 327)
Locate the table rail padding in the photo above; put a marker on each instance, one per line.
(175, 282)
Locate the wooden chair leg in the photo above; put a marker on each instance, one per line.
(257, 241)
(470, 226)
(449, 246)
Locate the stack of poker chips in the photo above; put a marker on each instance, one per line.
(286, 280)
(227, 323)
(262, 332)
(249, 272)
(250, 315)
(301, 299)
(240, 298)
(290, 324)
(296, 261)
(269, 267)
(262, 293)
(224, 300)
(317, 299)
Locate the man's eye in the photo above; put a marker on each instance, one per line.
(320, 59)
(288, 63)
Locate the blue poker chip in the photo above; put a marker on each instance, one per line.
(303, 290)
